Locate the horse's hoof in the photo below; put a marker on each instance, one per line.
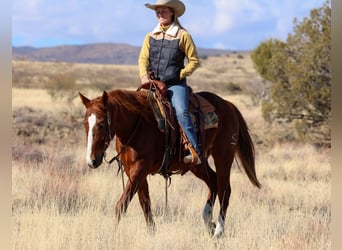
(211, 228)
(151, 228)
(217, 235)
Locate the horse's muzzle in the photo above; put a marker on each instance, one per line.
(96, 162)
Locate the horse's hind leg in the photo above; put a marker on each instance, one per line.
(223, 162)
(145, 202)
(209, 177)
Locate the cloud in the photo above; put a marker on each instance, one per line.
(230, 13)
(222, 22)
(219, 45)
(231, 24)
(224, 17)
(72, 20)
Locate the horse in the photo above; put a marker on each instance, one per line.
(127, 116)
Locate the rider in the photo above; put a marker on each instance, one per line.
(163, 52)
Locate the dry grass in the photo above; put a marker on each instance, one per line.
(223, 74)
(227, 74)
(38, 74)
(59, 203)
(34, 98)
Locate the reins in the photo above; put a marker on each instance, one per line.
(116, 157)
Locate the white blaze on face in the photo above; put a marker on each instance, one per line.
(91, 123)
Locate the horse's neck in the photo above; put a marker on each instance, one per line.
(124, 123)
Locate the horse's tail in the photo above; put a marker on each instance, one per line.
(245, 150)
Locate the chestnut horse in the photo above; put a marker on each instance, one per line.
(140, 145)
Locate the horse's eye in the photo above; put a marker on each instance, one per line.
(100, 125)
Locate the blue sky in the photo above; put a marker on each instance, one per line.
(224, 24)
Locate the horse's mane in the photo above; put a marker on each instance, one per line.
(132, 101)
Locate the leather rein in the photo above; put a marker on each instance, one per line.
(116, 157)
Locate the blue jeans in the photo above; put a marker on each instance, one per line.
(179, 98)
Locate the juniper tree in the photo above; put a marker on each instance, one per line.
(299, 76)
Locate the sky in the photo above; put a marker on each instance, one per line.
(220, 24)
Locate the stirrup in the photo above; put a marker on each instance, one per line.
(192, 157)
(188, 159)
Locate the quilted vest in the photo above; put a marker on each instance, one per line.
(166, 60)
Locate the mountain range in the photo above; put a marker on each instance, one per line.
(100, 53)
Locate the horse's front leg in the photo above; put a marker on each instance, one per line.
(136, 183)
(145, 202)
(135, 179)
(126, 197)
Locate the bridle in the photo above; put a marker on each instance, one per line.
(116, 157)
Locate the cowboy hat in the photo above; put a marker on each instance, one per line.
(177, 6)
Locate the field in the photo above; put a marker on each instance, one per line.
(60, 203)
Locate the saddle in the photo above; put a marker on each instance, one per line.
(202, 113)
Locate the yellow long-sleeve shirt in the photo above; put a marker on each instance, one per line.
(186, 44)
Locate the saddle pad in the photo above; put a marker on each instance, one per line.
(207, 109)
(205, 105)
(210, 120)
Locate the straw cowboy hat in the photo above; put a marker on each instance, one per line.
(177, 6)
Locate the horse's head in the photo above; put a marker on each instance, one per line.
(97, 125)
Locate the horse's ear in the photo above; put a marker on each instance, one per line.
(105, 98)
(85, 100)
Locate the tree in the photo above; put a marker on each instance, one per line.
(299, 76)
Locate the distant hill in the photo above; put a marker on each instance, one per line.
(101, 53)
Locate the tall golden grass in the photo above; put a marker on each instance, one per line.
(60, 203)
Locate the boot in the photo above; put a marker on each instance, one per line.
(192, 157)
